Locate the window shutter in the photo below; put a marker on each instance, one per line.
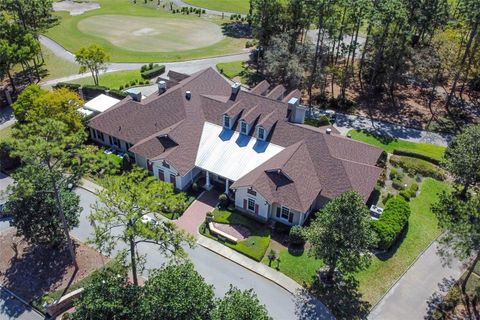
(278, 212)
(110, 138)
(244, 203)
(256, 208)
(290, 217)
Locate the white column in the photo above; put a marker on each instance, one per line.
(226, 186)
(207, 185)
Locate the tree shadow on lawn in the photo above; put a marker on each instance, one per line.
(342, 298)
(385, 255)
(37, 271)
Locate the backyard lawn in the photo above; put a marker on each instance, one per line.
(422, 230)
(255, 245)
(234, 69)
(430, 150)
(235, 6)
(6, 133)
(125, 30)
(113, 80)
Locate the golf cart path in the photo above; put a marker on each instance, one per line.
(189, 66)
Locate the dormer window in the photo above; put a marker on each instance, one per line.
(261, 133)
(243, 127)
(226, 121)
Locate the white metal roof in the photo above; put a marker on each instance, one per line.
(101, 103)
(85, 112)
(230, 154)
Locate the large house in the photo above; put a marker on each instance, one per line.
(252, 143)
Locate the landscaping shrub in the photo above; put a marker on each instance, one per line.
(418, 166)
(153, 72)
(398, 184)
(296, 236)
(118, 94)
(391, 223)
(406, 194)
(386, 198)
(91, 91)
(223, 201)
(195, 187)
(322, 121)
(413, 154)
(71, 86)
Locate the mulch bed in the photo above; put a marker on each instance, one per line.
(32, 272)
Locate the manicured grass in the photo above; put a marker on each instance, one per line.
(68, 34)
(430, 150)
(6, 133)
(234, 69)
(255, 245)
(236, 6)
(422, 230)
(113, 80)
(301, 267)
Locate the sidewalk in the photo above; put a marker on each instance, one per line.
(257, 267)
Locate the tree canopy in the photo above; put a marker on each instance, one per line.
(94, 59)
(341, 234)
(124, 201)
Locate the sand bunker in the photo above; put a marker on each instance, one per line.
(75, 8)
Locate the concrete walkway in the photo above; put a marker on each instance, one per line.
(408, 298)
(346, 122)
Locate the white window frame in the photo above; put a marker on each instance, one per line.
(243, 123)
(288, 212)
(251, 201)
(261, 129)
(225, 119)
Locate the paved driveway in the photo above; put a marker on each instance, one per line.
(12, 308)
(195, 215)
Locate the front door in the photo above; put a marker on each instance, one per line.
(173, 181)
(161, 175)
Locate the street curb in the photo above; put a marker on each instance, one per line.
(245, 267)
(22, 300)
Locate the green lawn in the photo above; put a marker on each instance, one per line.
(433, 151)
(255, 245)
(68, 34)
(6, 133)
(236, 6)
(234, 69)
(300, 267)
(422, 230)
(113, 80)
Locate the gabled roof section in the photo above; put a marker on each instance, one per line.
(294, 94)
(177, 76)
(251, 115)
(261, 88)
(277, 92)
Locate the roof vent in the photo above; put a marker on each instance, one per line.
(329, 130)
(188, 95)
(162, 86)
(235, 90)
(136, 96)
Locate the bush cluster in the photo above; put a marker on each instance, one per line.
(117, 94)
(320, 122)
(237, 17)
(391, 223)
(71, 86)
(410, 192)
(188, 10)
(416, 166)
(223, 201)
(153, 71)
(397, 184)
(296, 235)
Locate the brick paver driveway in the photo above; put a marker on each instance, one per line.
(196, 213)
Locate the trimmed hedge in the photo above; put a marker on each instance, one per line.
(415, 166)
(117, 94)
(153, 72)
(391, 223)
(320, 122)
(72, 86)
(413, 154)
(90, 91)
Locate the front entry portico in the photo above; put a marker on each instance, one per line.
(208, 186)
(214, 180)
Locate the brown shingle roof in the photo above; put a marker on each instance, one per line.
(169, 127)
(261, 88)
(277, 92)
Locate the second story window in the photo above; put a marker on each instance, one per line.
(261, 133)
(226, 121)
(243, 127)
